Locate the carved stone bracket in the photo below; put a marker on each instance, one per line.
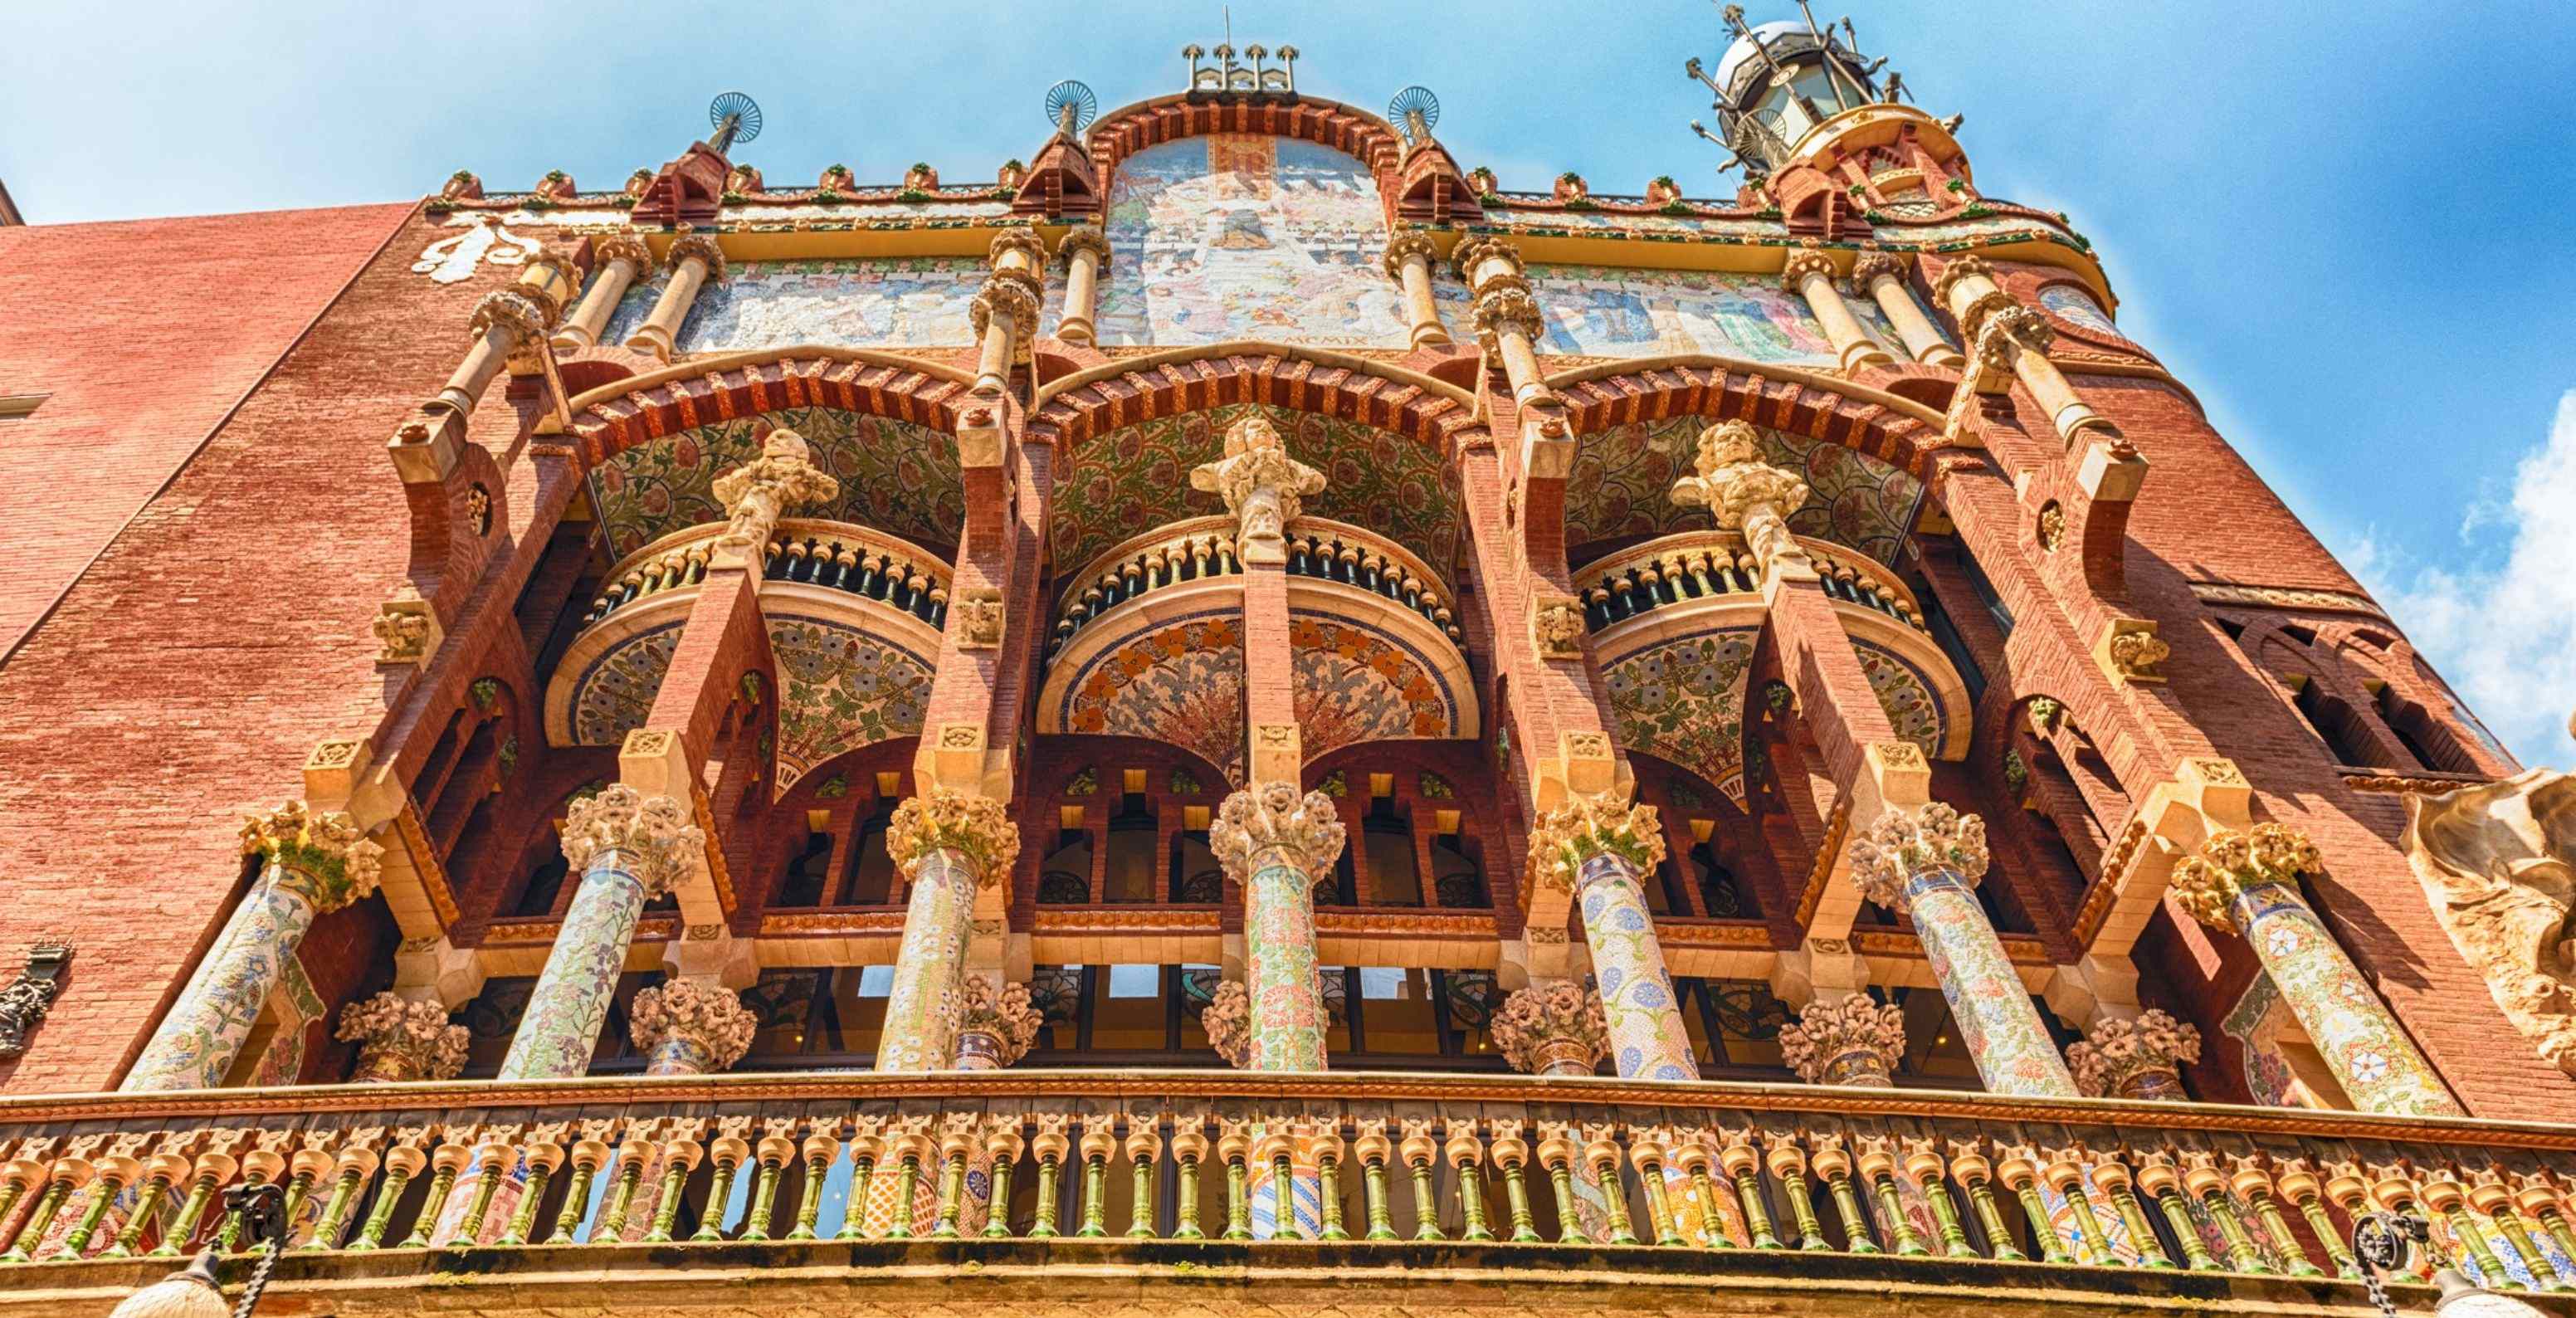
(24, 1003)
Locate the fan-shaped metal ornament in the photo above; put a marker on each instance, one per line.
(1070, 106)
(736, 119)
(1416, 110)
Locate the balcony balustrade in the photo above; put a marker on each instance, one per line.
(1677, 570)
(865, 563)
(1318, 549)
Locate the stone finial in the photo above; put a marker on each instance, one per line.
(406, 628)
(1261, 486)
(1555, 1028)
(977, 828)
(1269, 824)
(1407, 246)
(1084, 239)
(327, 856)
(2140, 1058)
(1505, 303)
(1022, 243)
(1014, 293)
(402, 1039)
(996, 1024)
(686, 1027)
(1802, 266)
(1588, 826)
(511, 309)
(1475, 251)
(1904, 843)
(2233, 860)
(1848, 1041)
(1957, 271)
(759, 492)
(1228, 1021)
(656, 837)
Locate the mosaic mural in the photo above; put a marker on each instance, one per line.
(842, 689)
(1904, 694)
(2077, 308)
(1182, 684)
(1683, 701)
(615, 694)
(1242, 236)
(916, 301)
(1622, 479)
(895, 476)
(1137, 478)
(1606, 311)
(1354, 685)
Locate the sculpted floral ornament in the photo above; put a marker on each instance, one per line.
(327, 856)
(996, 1024)
(1851, 1040)
(1227, 1018)
(1555, 1028)
(655, 837)
(975, 828)
(2495, 861)
(756, 494)
(1261, 485)
(1271, 825)
(1742, 492)
(406, 628)
(1556, 624)
(402, 1039)
(2234, 860)
(1902, 844)
(685, 1027)
(2135, 652)
(1589, 826)
(25, 1001)
(979, 619)
(2141, 1058)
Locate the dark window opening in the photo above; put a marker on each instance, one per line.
(1133, 832)
(1394, 879)
(1064, 877)
(1197, 878)
(809, 874)
(868, 875)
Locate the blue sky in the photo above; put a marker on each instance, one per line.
(2343, 225)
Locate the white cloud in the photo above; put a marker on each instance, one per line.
(2503, 634)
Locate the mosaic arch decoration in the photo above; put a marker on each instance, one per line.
(1182, 683)
(614, 695)
(1356, 684)
(1245, 236)
(1682, 700)
(895, 476)
(1623, 476)
(1136, 478)
(914, 301)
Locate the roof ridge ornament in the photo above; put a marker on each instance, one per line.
(1229, 76)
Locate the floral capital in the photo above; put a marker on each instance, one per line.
(1011, 294)
(1228, 1021)
(1260, 483)
(326, 857)
(623, 247)
(2140, 1058)
(1270, 824)
(2233, 860)
(1002, 1014)
(759, 492)
(1408, 246)
(1849, 1041)
(686, 1016)
(1589, 826)
(977, 828)
(1556, 1028)
(523, 316)
(1905, 843)
(656, 836)
(399, 1039)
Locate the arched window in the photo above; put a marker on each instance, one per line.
(1064, 877)
(1456, 878)
(2423, 735)
(809, 876)
(1197, 879)
(1394, 878)
(2334, 723)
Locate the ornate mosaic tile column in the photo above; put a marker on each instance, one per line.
(1279, 846)
(690, 1028)
(996, 1026)
(2247, 883)
(629, 848)
(314, 864)
(1925, 862)
(400, 1039)
(1595, 848)
(1556, 1028)
(2140, 1058)
(1851, 1040)
(949, 845)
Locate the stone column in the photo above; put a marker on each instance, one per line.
(1850, 1040)
(2010, 336)
(619, 260)
(1596, 848)
(1882, 276)
(1408, 263)
(1279, 846)
(2140, 1058)
(1923, 862)
(506, 323)
(628, 848)
(996, 1025)
(759, 492)
(689, 1027)
(1005, 313)
(311, 865)
(695, 260)
(2246, 882)
(1508, 320)
(1086, 254)
(402, 1039)
(949, 846)
(1555, 1028)
(1811, 275)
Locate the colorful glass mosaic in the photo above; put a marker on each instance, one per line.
(1182, 684)
(1683, 701)
(614, 695)
(843, 688)
(1622, 479)
(1647, 1041)
(2002, 1030)
(561, 1028)
(917, 301)
(895, 476)
(1606, 311)
(2077, 308)
(1355, 685)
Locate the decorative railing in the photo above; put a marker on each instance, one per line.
(866, 563)
(1318, 548)
(1634, 1172)
(1695, 565)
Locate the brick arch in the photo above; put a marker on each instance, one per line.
(1347, 129)
(616, 417)
(1081, 407)
(1901, 433)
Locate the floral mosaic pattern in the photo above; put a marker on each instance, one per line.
(1182, 684)
(1646, 1036)
(1623, 477)
(207, 1027)
(2077, 308)
(1279, 938)
(917, 301)
(842, 689)
(2342, 1015)
(615, 694)
(2002, 1030)
(1612, 312)
(560, 1030)
(1354, 685)
(1683, 701)
(920, 1032)
(1904, 694)
(895, 476)
(1137, 478)
(1243, 236)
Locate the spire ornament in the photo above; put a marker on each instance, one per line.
(655, 836)
(1261, 485)
(402, 1039)
(1851, 1040)
(1556, 1028)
